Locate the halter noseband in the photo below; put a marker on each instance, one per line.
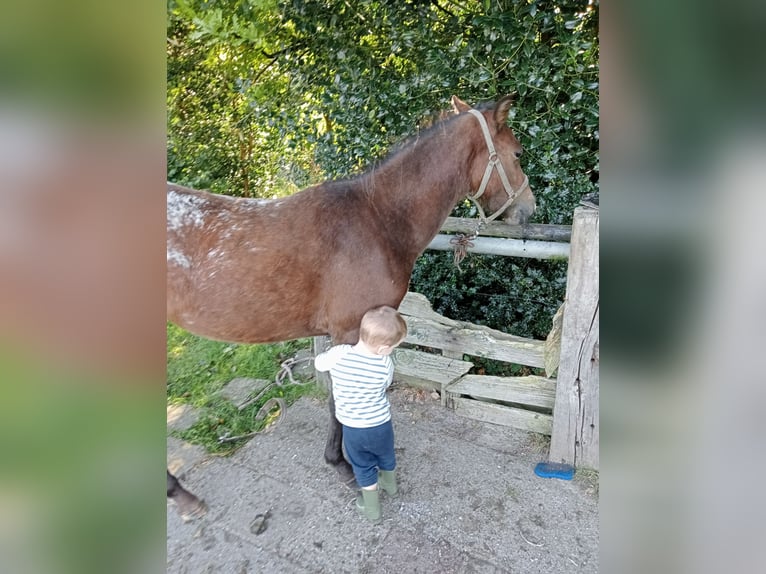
(494, 162)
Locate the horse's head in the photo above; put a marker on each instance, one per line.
(498, 185)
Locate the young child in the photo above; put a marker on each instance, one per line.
(360, 376)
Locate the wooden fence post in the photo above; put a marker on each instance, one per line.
(574, 439)
(320, 345)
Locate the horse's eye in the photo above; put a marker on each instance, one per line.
(518, 153)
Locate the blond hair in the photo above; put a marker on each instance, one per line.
(382, 326)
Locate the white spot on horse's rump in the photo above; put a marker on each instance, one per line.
(184, 209)
(178, 258)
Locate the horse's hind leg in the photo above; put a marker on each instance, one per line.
(333, 452)
(189, 506)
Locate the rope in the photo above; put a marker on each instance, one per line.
(462, 241)
(285, 371)
(460, 244)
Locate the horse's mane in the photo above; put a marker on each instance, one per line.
(431, 126)
(424, 133)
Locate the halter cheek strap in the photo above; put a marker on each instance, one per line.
(494, 163)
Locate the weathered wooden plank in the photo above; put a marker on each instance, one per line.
(428, 328)
(476, 340)
(530, 390)
(503, 415)
(575, 432)
(427, 370)
(553, 343)
(587, 431)
(508, 247)
(418, 305)
(319, 345)
(539, 232)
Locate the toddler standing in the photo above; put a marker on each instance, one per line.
(360, 375)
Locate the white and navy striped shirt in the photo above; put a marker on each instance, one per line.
(359, 383)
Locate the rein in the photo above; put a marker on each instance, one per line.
(493, 163)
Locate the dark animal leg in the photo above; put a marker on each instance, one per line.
(333, 452)
(189, 506)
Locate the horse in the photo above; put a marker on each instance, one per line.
(258, 271)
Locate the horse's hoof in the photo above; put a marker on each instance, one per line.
(189, 506)
(345, 473)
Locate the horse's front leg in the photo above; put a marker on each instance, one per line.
(189, 506)
(333, 452)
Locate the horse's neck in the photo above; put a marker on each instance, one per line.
(417, 190)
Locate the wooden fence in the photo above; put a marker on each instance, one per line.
(566, 408)
(500, 400)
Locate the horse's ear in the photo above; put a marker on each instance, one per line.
(502, 108)
(459, 105)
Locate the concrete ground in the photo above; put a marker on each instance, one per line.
(469, 502)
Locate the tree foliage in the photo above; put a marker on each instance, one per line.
(265, 97)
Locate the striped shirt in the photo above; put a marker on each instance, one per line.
(359, 383)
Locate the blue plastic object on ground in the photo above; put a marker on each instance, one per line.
(554, 470)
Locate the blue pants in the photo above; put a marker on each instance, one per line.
(368, 450)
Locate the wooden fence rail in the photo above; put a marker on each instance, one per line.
(500, 400)
(537, 232)
(428, 328)
(508, 247)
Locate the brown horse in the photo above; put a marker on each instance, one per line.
(257, 271)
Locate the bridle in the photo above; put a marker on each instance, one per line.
(494, 163)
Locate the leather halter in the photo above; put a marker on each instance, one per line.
(494, 163)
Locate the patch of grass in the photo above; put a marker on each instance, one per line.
(222, 418)
(197, 368)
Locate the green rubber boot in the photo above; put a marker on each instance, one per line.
(368, 504)
(387, 481)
